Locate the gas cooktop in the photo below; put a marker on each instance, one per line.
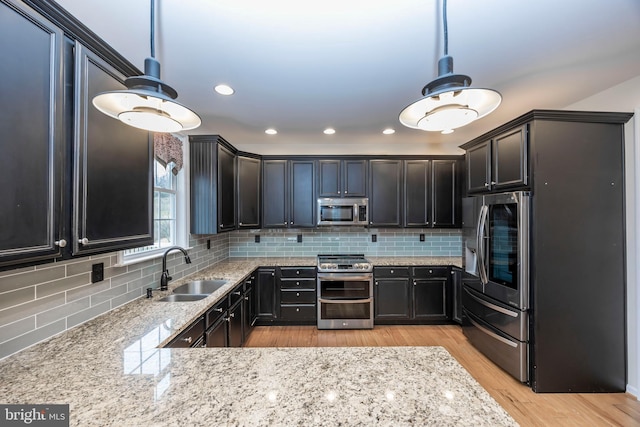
(343, 263)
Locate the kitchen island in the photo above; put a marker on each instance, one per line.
(111, 371)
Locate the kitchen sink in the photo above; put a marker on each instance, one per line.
(182, 298)
(200, 287)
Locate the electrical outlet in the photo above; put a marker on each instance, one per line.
(374, 238)
(299, 238)
(257, 238)
(208, 244)
(97, 272)
(422, 237)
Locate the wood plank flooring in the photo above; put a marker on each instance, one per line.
(525, 406)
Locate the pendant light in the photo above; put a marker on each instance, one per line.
(148, 103)
(449, 102)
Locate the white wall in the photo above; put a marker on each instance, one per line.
(625, 97)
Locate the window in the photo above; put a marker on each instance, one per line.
(169, 216)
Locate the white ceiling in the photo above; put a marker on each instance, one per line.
(301, 66)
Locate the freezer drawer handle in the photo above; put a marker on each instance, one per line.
(492, 306)
(493, 335)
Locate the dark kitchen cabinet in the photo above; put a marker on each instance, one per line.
(216, 324)
(33, 136)
(112, 174)
(226, 188)
(499, 163)
(248, 187)
(385, 193)
(297, 287)
(236, 335)
(266, 299)
(430, 293)
(456, 294)
(249, 306)
(212, 184)
(392, 293)
(342, 178)
(288, 193)
(190, 337)
(432, 193)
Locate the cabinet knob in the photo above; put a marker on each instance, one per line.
(240, 223)
(219, 309)
(291, 222)
(273, 274)
(187, 340)
(338, 191)
(297, 271)
(345, 191)
(486, 184)
(414, 283)
(493, 183)
(83, 241)
(246, 298)
(370, 222)
(430, 271)
(297, 294)
(237, 293)
(391, 271)
(297, 283)
(297, 309)
(62, 243)
(376, 283)
(232, 315)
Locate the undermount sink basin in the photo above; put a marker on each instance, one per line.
(200, 287)
(182, 298)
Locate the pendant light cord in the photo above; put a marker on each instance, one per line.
(153, 29)
(444, 26)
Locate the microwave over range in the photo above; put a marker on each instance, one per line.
(343, 211)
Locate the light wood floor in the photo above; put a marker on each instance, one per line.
(525, 406)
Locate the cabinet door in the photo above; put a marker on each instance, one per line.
(302, 186)
(456, 297)
(248, 192)
(329, 178)
(274, 190)
(479, 168)
(31, 124)
(216, 335)
(385, 193)
(430, 299)
(445, 194)
(510, 159)
(247, 310)
(392, 299)
(226, 189)
(266, 294)
(113, 187)
(236, 336)
(417, 190)
(354, 178)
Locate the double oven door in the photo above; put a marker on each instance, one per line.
(345, 300)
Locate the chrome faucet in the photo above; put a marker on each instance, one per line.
(164, 279)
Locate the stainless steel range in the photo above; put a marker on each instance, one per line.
(345, 292)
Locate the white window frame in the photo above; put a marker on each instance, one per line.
(182, 215)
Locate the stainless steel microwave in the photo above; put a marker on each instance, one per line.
(343, 211)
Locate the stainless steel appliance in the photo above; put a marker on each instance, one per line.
(343, 211)
(345, 292)
(496, 304)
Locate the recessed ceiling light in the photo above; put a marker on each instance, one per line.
(389, 131)
(271, 131)
(329, 131)
(224, 90)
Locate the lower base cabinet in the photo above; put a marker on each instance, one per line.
(190, 337)
(297, 287)
(412, 295)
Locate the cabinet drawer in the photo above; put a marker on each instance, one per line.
(290, 272)
(390, 272)
(309, 284)
(297, 297)
(235, 295)
(298, 312)
(189, 336)
(429, 272)
(507, 319)
(214, 313)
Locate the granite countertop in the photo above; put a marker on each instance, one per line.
(111, 372)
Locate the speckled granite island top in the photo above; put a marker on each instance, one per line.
(112, 373)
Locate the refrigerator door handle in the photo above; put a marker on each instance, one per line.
(482, 221)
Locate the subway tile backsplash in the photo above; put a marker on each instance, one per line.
(390, 242)
(39, 302)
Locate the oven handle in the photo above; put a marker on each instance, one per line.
(344, 301)
(342, 276)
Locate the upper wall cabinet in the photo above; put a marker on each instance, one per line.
(432, 193)
(342, 178)
(249, 170)
(112, 180)
(499, 163)
(63, 167)
(289, 196)
(385, 193)
(31, 125)
(212, 181)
